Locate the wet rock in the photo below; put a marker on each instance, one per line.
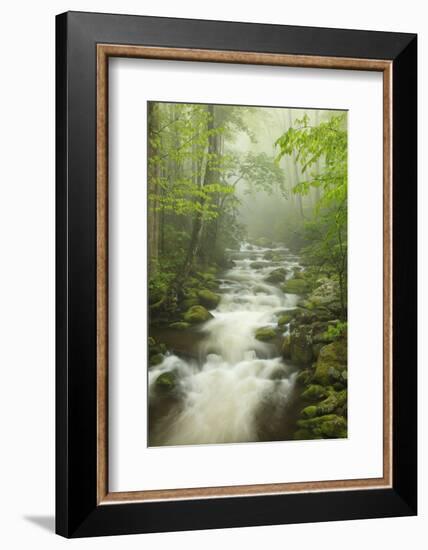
(166, 382)
(314, 393)
(305, 377)
(334, 401)
(301, 345)
(276, 276)
(179, 325)
(197, 314)
(257, 265)
(285, 347)
(309, 412)
(208, 299)
(331, 362)
(265, 334)
(285, 319)
(155, 359)
(326, 426)
(295, 286)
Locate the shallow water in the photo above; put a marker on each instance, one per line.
(231, 387)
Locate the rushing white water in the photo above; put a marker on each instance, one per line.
(240, 386)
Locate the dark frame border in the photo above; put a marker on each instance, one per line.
(77, 511)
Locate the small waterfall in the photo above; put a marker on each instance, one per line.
(240, 388)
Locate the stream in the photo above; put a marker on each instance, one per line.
(234, 388)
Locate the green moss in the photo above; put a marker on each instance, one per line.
(167, 381)
(326, 426)
(285, 347)
(331, 362)
(208, 298)
(264, 334)
(310, 411)
(314, 392)
(155, 359)
(197, 314)
(276, 276)
(295, 286)
(151, 341)
(285, 319)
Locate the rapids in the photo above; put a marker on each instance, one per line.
(237, 389)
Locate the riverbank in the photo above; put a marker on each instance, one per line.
(255, 352)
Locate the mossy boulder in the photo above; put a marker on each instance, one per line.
(310, 411)
(167, 381)
(326, 426)
(189, 302)
(276, 276)
(269, 255)
(334, 401)
(197, 314)
(295, 286)
(286, 347)
(179, 325)
(208, 298)
(314, 393)
(305, 377)
(331, 362)
(155, 359)
(301, 345)
(265, 334)
(285, 319)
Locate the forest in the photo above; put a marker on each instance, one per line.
(247, 263)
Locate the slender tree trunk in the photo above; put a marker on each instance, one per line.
(205, 179)
(296, 174)
(153, 187)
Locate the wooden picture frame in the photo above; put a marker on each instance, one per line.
(85, 42)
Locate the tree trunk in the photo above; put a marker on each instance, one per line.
(205, 179)
(153, 187)
(296, 173)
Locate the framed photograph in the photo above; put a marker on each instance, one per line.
(236, 274)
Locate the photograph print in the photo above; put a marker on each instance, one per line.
(247, 274)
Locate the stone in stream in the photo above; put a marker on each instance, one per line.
(264, 334)
(166, 382)
(295, 286)
(276, 276)
(208, 298)
(179, 325)
(197, 314)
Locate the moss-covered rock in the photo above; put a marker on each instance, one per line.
(331, 362)
(179, 325)
(295, 286)
(309, 412)
(334, 401)
(285, 319)
(208, 298)
(301, 345)
(167, 381)
(265, 334)
(197, 314)
(326, 426)
(286, 347)
(189, 302)
(314, 393)
(151, 341)
(276, 276)
(304, 377)
(269, 255)
(155, 359)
